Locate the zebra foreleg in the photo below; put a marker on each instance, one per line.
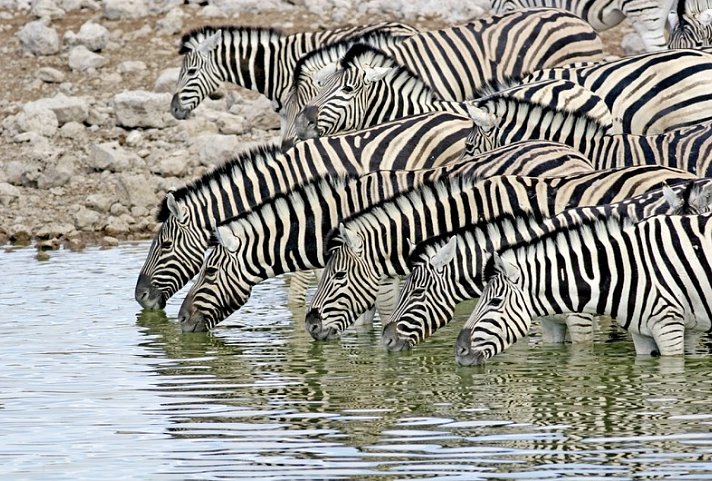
(298, 285)
(553, 329)
(579, 328)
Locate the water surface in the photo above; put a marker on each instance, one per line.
(94, 388)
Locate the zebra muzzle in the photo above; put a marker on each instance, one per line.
(177, 110)
(464, 354)
(315, 327)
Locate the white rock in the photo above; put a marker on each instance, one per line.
(72, 130)
(132, 66)
(8, 193)
(172, 23)
(134, 138)
(167, 79)
(57, 174)
(163, 6)
(86, 219)
(47, 9)
(83, 59)
(231, 124)
(39, 39)
(632, 44)
(136, 190)
(39, 120)
(111, 156)
(99, 202)
(93, 36)
(215, 149)
(118, 9)
(50, 75)
(67, 109)
(176, 165)
(138, 108)
(211, 11)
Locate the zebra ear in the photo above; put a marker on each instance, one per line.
(672, 21)
(208, 44)
(482, 118)
(705, 17)
(374, 74)
(351, 239)
(444, 255)
(226, 238)
(325, 72)
(506, 269)
(174, 208)
(672, 198)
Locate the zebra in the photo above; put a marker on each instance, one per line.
(648, 17)
(312, 70)
(500, 119)
(188, 214)
(373, 245)
(645, 94)
(652, 276)
(371, 87)
(691, 29)
(447, 269)
(260, 59)
(285, 232)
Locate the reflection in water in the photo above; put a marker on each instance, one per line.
(107, 389)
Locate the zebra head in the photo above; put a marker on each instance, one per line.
(347, 288)
(199, 75)
(346, 96)
(500, 318)
(222, 286)
(481, 138)
(175, 255)
(425, 303)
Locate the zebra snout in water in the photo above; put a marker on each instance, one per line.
(147, 295)
(177, 110)
(464, 355)
(315, 328)
(190, 319)
(305, 123)
(391, 340)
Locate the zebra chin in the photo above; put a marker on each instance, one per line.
(190, 319)
(177, 110)
(392, 341)
(315, 327)
(464, 354)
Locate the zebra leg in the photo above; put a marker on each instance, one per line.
(387, 297)
(669, 334)
(644, 345)
(298, 283)
(366, 318)
(580, 327)
(553, 329)
(692, 340)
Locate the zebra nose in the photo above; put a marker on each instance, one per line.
(391, 340)
(305, 123)
(147, 295)
(463, 352)
(177, 110)
(313, 322)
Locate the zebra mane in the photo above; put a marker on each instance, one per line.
(197, 35)
(592, 126)
(335, 51)
(494, 86)
(309, 192)
(243, 161)
(361, 53)
(426, 192)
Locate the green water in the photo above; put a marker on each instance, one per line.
(92, 388)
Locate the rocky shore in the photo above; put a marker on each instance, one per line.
(88, 147)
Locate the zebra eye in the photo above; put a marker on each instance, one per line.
(192, 71)
(495, 302)
(419, 293)
(340, 275)
(348, 89)
(166, 245)
(211, 271)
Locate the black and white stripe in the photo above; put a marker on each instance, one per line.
(189, 214)
(453, 64)
(285, 232)
(691, 24)
(260, 59)
(373, 245)
(501, 119)
(447, 269)
(648, 17)
(652, 277)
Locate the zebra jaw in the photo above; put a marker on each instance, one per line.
(392, 341)
(190, 319)
(315, 327)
